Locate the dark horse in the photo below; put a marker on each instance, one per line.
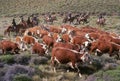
(70, 19)
(10, 29)
(50, 19)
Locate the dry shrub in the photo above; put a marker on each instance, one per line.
(16, 70)
(38, 60)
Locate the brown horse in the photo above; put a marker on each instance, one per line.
(14, 29)
(101, 21)
(83, 19)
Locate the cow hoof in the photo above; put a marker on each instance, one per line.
(68, 71)
(80, 75)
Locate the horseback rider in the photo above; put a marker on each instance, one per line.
(28, 20)
(100, 17)
(49, 16)
(13, 23)
(69, 15)
(35, 20)
(21, 20)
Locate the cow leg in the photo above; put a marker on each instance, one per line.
(111, 52)
(3, 51)
(53, 63)
(13, 51)
(46, 52)
(78, 70)
(92, 49)
(118, 57)
(73, 65)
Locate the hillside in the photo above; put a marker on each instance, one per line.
(10, 7)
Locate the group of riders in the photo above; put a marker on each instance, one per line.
(34, 19)
(82, 17)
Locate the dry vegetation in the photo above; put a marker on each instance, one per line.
(12, 7)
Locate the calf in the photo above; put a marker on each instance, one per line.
(48, 40)
(40, 49)
(64, 56)
(7, 45)
(29, 39)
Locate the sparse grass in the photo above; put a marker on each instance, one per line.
(18, 7)
(110, 75)
(22, 77)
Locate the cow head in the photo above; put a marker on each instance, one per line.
(88, 37)
(98, 52)
(59, 39)
(86, 45)
(23, 46)
(45, 47)
(63, 30)
(86, 57)
(38, 32)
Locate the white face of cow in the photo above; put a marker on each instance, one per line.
(44, 46)
(58, 39)
(63, 30)
(86, 43)
(97, 51)
(87, 36)
(23, 46)
(38, 32)
(85, 57)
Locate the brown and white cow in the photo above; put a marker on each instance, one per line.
(48, 40)
(102, 46)
(33, 31)
(67, 45)
(25, 41)
(7, 45)
(110, 39)
(80, 40)
(39, 48)
(68, 56)
(29, 39)
(55, 29)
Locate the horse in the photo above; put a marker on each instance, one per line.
(15, 29)
(101, 21)
(70, 19)
(83, 19)
(50, 19)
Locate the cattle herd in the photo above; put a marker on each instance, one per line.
(65, 44)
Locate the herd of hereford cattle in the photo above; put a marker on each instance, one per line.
(65, 44)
